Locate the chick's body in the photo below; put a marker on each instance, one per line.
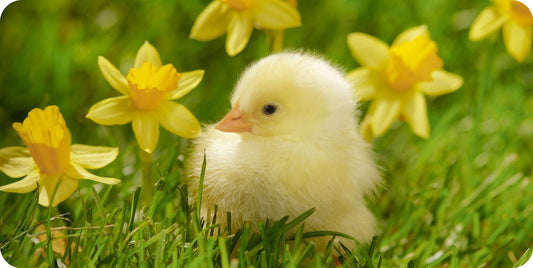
(290, 143)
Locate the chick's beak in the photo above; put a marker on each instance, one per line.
(233, 122)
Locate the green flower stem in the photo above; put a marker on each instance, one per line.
(148, 185)
(485, 82)
(49, 246)
(275, 40)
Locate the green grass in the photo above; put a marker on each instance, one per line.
(462, 198)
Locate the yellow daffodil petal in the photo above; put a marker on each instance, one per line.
(16, 162)
(147, 53)
(441, 83)
(517, 39)
(363, 86)
(187, 82)
(277, 14)
(27, 184)
(92, 157)
(177, 119)
(412, 33)
(65, 188)
(368, 50)
(415, 114)
(488, 21)
(146, 128)
(78, 172)
(112, 111)
(384, 112)
(212, 22)
(239, 31)
(113, 76)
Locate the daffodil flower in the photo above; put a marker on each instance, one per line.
(50, 161)
(148, 91)
(396, 78)
(238, 17)
(516, 22)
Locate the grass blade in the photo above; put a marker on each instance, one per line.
(99, 206)
(298, 220)
(525, 257)
(134, 203)
(200, 190)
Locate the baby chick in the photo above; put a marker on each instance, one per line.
(290, 143)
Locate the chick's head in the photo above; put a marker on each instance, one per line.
(290, 93)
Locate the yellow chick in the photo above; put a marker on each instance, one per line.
(290, 143)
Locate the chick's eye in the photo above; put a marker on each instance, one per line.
(269, 109)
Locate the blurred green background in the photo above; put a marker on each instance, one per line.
(49, 48)
(479, 150)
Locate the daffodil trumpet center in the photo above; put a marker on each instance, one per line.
(411, 62)
(48, 139)
(239, 5)
(149, 85)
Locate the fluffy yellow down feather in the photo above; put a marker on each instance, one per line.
(290, 143)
